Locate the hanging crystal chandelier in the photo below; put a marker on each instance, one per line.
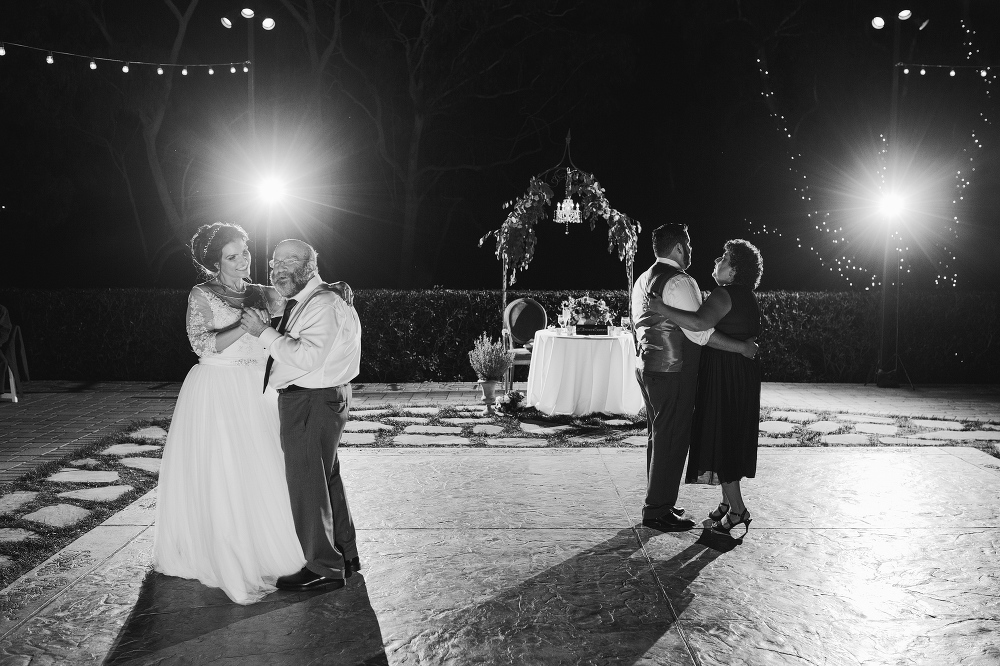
(567, 212)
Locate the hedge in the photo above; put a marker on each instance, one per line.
(413, 336)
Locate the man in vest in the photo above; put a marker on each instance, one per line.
(667, 370)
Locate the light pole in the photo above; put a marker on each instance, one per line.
(251, 65)
(891, 208)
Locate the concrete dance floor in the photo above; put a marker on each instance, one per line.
(536, 556)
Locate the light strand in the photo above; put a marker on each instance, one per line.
(92, 60)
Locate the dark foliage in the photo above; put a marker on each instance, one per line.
(411, 336)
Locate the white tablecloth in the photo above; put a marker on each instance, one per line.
(581, 375)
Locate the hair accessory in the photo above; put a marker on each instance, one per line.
(204, 252)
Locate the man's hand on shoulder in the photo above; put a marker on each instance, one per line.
(343, 290)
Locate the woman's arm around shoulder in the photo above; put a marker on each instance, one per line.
(715, 307)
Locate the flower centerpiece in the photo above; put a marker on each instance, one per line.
(585, 310)
(510, 402)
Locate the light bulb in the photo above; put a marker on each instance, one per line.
(184, 71)
(211, 71)
(232, 70)
(922, 71)
(982, 72)
(93, 65)
(49, 59)
(906, 70)
(159, 70)
(125, 68)
(245, 69)
(3, 51)
(951, 73)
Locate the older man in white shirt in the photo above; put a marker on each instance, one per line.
(667, 371)
(316, 352)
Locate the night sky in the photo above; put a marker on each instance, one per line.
(737, 120)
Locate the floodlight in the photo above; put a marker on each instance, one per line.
(878, 22)
(226, 23)
(268, 24)
(891, 205)
(246, 13)
(905, 14)
(271, 190)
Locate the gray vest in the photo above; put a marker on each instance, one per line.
(663, 347)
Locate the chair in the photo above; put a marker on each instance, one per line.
(521, 319)
(11, 351)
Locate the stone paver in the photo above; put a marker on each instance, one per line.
(636, 440)
(357, 438)
(519, 442)
(429, 440)
(939, 425)
(906, 441)
(586, 441)
(369, 413)
(85, 462)
(485, 429)
(422, 410)
(58, 515)
(825, 427)
(456, 421)
(764, 440)
(5, 561)
(876, 428)
(129, 449)
(151, 465)
(407, 419)
(864, 418)
(433, 430)
(962, 436)
(617, 422)
(366, 426)
(15, 535)
(103, 494)
(11, 502)
(537, 429)
(797, 417)
(153, 432)
(777, 427)
(845, 440)
(83, 476)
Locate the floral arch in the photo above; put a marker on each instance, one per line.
(516, 238)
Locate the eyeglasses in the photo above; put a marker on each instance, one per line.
(291, 261)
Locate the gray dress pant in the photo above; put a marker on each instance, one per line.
(669, 399)
(312, 421)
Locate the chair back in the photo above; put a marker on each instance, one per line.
(522, 318)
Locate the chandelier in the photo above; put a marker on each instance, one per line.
(567, 212)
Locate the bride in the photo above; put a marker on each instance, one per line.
(223, 515)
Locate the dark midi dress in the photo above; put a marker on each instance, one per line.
(727, 402)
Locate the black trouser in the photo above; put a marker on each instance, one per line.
(669, 398)
(312, 421)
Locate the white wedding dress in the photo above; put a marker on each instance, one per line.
(223, 515)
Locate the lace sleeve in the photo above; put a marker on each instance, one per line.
(201, 335)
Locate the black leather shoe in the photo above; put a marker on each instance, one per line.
(307, 580)
(351, 565)
(668, 523)
(677, 511)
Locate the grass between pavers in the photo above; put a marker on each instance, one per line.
(29, 553)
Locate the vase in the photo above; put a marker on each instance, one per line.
(489, 388)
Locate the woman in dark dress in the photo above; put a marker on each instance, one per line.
(727, 405)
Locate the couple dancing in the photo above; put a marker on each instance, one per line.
(701, 404)
(250, 494)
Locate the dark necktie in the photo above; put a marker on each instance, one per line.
(282, 325)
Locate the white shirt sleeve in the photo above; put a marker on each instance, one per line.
(681, 292)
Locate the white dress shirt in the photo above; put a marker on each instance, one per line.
(321, 346)
(681, 292)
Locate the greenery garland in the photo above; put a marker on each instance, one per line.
(516, 238)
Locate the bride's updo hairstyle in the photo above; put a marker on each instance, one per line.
(207, 244)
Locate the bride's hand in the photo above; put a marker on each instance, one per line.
(252, 322)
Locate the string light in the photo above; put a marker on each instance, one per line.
(211, 71)
(126, 65)
(184, 71)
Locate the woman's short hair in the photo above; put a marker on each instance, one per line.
(207, 244)
(748, 265)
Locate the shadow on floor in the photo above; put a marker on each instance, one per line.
(605, 605)
(176, 620)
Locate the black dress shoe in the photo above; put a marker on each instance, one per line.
(351, 565)
(677, 511)
(307, 580)
(669, 523)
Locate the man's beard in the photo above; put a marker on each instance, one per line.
(292, 283)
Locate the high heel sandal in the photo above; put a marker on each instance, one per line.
(719, 512)
(726, 525)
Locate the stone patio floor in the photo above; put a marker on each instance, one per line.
(862, 555)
